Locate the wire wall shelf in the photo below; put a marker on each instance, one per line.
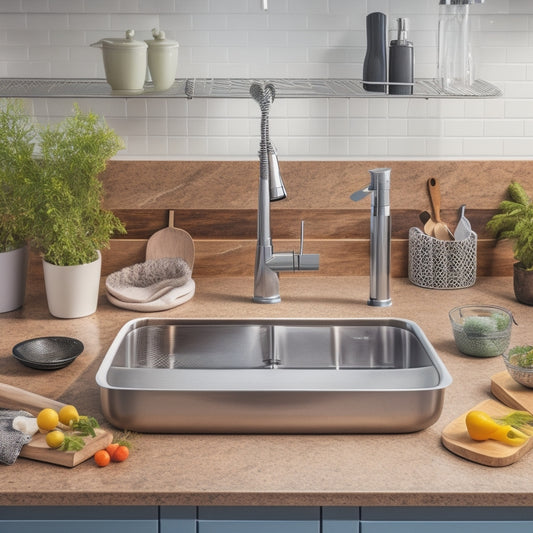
(231, 88)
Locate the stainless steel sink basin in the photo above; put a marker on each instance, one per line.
(272, 376)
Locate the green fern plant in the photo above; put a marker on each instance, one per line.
(515, 222)
(71, 222)
(18, 174)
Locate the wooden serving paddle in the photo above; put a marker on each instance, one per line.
(455, 438)
(171, 242)
(15, 398)
(511, 393)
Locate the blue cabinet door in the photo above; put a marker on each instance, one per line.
(259, 520)
(340, 519)
(60, 519)
(446, 520)
(177, 519)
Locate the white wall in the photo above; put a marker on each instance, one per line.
(295, 38)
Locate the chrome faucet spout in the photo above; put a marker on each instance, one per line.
(271, 188)
(380, 235)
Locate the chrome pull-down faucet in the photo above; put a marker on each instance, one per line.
(267, 263)
(380, 235)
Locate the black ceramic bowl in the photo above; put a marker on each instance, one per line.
(48, 353)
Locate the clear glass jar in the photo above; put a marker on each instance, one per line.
(455, 66)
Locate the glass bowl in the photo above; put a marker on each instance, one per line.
(519, 363)
(481, 330)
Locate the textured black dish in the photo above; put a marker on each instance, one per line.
(48, 353)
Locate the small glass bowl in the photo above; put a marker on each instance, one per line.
(481, 330)
(521, 374)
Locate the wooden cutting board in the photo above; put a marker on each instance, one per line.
(511, 393)
(16, 398)
(489, 452)
(40, 451)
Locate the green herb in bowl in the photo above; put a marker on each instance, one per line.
(481, 330)
(521, 356)
(519, 363)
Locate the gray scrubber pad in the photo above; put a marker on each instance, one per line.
(11, 440)
(148, 281)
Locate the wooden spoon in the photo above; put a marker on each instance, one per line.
(428, 222)
(171, 242)
(441, 230)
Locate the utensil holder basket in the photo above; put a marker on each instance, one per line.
(437, 264)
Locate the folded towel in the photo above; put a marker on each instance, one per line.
(11, 440)
(168, 300)
(148, 281)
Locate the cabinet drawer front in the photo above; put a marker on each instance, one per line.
(79, 519)
(446, 527)
(258, 520)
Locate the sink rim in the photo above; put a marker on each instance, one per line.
(444, 378)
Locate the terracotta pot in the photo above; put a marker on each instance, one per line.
(13, 270)
(523, 284)
(72, 291)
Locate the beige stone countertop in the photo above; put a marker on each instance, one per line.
(408, 469)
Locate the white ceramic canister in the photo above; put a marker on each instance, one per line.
(72, 291)
(162, 60)
(124, 62)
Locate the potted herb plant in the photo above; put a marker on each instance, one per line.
(515, 222)
(18, 177)
(71, 224)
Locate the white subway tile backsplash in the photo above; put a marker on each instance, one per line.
(294, 38)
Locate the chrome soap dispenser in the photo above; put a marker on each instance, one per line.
(380, 235)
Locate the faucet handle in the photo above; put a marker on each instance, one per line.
(359, 195)
(306, 261)
(301, 237)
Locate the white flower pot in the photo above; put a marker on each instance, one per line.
(72, 291)
(13, 270)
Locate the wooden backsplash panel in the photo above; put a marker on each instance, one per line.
(216, 202)
(310, 184)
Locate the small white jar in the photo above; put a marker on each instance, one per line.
(162, 60)
(124, 62)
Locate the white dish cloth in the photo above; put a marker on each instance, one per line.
(168, 300)
(148, 281)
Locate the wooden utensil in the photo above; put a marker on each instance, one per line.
(488, 452)
(511, 393)
(428, 222)
(15, 398)
(441, 230)
(171, 242)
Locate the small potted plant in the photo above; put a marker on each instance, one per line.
(18, 177)
(71, 224)
(515, 222)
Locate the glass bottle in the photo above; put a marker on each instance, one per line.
(455, 66)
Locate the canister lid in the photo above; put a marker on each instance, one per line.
(127, 42)
(159, 39)
(460, 2)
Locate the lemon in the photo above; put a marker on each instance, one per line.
(68, 413)
(55, 438)
(47, 419)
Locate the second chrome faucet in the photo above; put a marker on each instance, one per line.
(271, 188)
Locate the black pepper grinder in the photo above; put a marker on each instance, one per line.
(401, 62)
(375, 64)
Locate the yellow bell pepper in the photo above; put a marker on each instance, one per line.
(482, 426)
